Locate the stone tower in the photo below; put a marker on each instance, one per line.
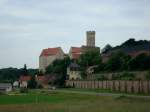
(90, 36)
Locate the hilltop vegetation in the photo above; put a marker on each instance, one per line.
(130, 45)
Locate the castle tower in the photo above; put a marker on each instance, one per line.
(90, 36)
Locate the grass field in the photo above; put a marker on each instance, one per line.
(103, 91)
(46, 101)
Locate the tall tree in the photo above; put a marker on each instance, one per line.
(32, 83)
(25, 71)
(59, 70)
(89, 58)
(140, 62)
(107, 48)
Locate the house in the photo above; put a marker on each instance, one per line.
(24, 81)
(73, 72)
(16, 84)
(48, 56)
(5, 87)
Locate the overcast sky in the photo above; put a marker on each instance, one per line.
(28, 26)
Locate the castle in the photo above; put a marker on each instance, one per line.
(49, 55)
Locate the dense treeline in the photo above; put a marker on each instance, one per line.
(120, 62)
(119, 59)
(12, 74)
(117, 62)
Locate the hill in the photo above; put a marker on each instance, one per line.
(129, 46)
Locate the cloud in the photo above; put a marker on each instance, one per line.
(27, 26)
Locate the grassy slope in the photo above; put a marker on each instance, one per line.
(66, 102)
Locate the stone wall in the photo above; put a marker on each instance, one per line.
(138, 74)
(114, 85)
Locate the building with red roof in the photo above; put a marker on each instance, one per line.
(48, 56)
(23, 80)
(75, 52)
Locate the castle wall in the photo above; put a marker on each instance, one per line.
(113, 85)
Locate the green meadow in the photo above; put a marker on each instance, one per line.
(51, 101)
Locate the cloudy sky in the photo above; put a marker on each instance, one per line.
(28, 26)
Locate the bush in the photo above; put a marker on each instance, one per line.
(127, 76)
(147, 75)
(2, 93)
(32, 84)
(123, 76)
(39, 86)
(69, 86)
(102, 77)
(115, 76)
(23, 90)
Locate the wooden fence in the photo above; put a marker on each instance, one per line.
(114, 85)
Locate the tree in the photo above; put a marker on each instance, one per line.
(127, 76)
(107, 48)
(24, 70)
(118, 61)
(89, 58)
(9, 74)
(32, 83)
(147, 75)
(140, 62)
(58, 69)
(130, 42)
(12, 74)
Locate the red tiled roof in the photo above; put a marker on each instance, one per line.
(75, 56)
(40, 77)
(76, 52)
(76, 49)
(50, 51)
(45, 79)
(25, 78)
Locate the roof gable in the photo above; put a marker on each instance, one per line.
(25, 78)
(50, 51)
(76, 52)
(76, 49)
